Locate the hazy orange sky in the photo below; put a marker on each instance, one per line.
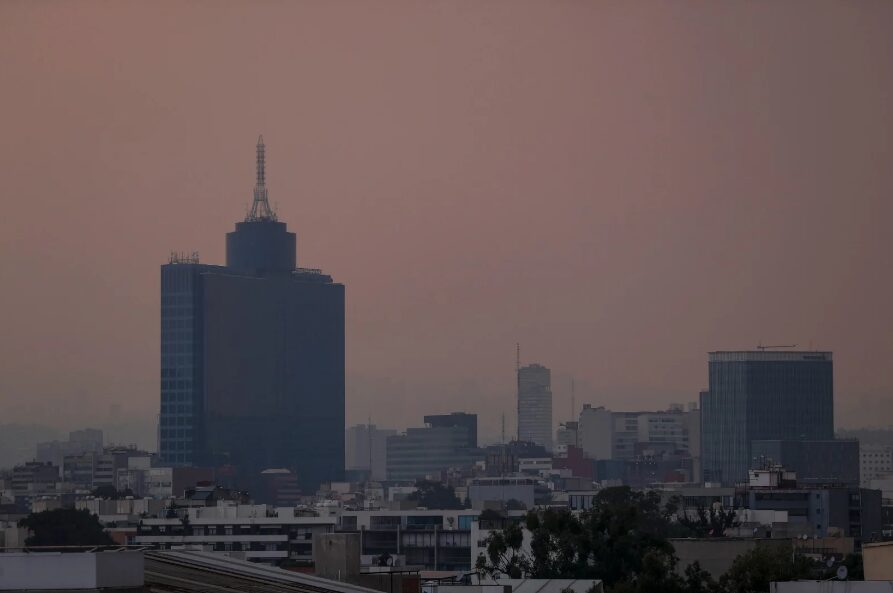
(620, 186)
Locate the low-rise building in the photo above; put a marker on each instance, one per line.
(487, 492)
(829, 462)
(34, 479)
(847, 511)
(875, 462)
(447, 441)
(259, 532)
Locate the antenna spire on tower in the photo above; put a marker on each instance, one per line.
(260, 207)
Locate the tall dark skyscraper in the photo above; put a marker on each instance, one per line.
(760, 396)
(252, 356)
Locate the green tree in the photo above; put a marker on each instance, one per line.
(657, 575)
(711, 522)
(621, 540)
(698, 580)
(756, 568)
(622, 527)
(558, 545)
(504, 554)
(65, 527)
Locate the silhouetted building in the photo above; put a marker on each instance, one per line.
(762, 395)
(447, 442)
(78, 443)
(460, 420)
(367, 450)
(834, 462)
(535, 405)
(672, 437)
(504, 459)
(567, 435)
(252, 357)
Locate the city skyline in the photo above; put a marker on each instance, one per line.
(673, 203)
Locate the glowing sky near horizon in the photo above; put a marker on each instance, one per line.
(618, 186)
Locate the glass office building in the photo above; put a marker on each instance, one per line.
(252, 358)
(762, 395)
(448, 441)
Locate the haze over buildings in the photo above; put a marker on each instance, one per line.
(573, 177)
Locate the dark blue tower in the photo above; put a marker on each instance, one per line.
(762, 396)
(266, 357)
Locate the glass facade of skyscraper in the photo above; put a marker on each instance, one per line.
(179, 424)
(252, 358)
(762, 395)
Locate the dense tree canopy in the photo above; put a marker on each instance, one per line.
(711, 522)
(610, 542)
(623, 541)
(65, 527)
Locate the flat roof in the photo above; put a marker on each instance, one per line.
(768, 356)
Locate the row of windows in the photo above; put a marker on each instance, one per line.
(179, 384)
(185, 446)
(185, 410)
(174, 372)
(173, 323)
(172, 312)
(176, 396)
(172, 335)
(172, 434)
(169, 300)
(176, 347)
(176, 361)
(177, 457)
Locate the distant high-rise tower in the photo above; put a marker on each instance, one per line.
(758, 396)
(367, 450)
(252, 356)
(535, 405)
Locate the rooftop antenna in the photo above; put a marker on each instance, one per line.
(260, 208)
(764, 348)
(503, 428)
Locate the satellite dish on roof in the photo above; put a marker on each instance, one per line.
(830, 562)
(842, 573)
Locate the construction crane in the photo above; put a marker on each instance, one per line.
(761, 347)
